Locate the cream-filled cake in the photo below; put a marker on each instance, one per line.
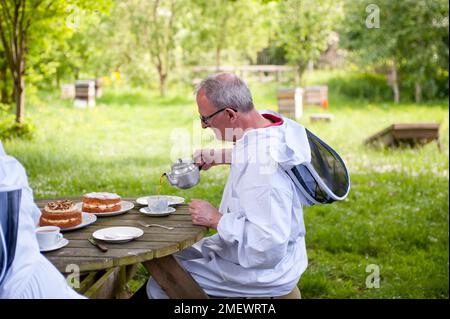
(102, 202)
(61, 213)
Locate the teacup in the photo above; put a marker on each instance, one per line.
(48, 236)
(158, 204)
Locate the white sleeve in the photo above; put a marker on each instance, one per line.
(258, 225)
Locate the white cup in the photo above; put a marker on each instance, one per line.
(158, 204)
(48, 236)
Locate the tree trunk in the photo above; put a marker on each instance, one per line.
(396, 90)
(3, 84)
(162, 84)
(418, 93)
(19, 83)
(299, 74)
(57, 78)
(76, 73)
(393, 81)
(19, 97)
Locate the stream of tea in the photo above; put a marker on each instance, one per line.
(161, 182)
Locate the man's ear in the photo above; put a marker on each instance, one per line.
(232, 115)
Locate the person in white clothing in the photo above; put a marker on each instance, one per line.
(259, 248)
(30, 274)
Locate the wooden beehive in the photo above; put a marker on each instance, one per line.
(84, 93)
(406, 133)
(290, 102)
(316, 95)
(67, 91)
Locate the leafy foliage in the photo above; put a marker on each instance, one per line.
(412, 37)
(10, 129)
(304, 29)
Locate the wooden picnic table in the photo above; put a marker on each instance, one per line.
(105, 274)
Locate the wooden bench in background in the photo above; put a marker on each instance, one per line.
(406, 133)
(262, 73)
(324, 117)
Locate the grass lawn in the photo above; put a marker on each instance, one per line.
(396, 216)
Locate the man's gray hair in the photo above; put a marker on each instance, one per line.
(227, 90)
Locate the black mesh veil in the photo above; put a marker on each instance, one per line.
(325, 179)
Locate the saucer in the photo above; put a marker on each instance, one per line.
(148, 212)
(60, 244)
(173, 200)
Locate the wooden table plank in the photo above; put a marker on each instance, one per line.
(101, 223)
(85, 264)
(78, 240)
(94, 252)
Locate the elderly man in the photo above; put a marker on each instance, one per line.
(30, 275)
(259, 248)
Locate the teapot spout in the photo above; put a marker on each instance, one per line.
(172, 180)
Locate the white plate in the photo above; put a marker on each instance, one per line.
(126, 206)
(60, 244)
(148, 212)
(173, 200)
(87, 219)
(118, 234)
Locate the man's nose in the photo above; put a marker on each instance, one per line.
(204, 125)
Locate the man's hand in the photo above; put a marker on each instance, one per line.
(203, 213)
(207, 158)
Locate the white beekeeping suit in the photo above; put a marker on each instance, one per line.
(259, 249)
(30, 275)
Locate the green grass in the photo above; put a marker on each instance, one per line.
(396, 215)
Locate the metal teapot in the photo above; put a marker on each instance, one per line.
(184, 174)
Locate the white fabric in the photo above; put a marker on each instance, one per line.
(31, 275)
(259, 250)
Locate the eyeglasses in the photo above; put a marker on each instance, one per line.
(205, 119)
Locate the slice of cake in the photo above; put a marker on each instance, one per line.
(101, 203)
(61, 213)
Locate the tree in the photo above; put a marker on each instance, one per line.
(239, 26)
(14, 26)
(20, 22)
(154, 24)
(424, 44)
(410, 39)
(95, 48)
(304, 29)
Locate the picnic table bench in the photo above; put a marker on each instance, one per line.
(324, 117)
(105, 274)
